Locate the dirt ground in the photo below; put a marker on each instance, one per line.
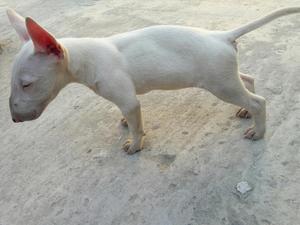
(67, 167)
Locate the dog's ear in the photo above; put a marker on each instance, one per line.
(43, 41)
(18, 23)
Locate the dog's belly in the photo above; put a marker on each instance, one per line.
(162, 81)
(161, 69)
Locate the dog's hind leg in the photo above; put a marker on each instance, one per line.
(249, 84)
(233, 91)
(248, 81)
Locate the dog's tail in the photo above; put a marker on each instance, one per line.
(232, 35)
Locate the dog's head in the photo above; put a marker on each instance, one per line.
(38, 69)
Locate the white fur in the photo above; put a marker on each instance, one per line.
(158, 57)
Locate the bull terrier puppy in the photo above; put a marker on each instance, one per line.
(124, 65)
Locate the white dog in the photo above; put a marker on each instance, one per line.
(124, 65)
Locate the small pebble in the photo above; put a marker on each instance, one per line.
(243, 187)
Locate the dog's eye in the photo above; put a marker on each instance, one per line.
(26, 85)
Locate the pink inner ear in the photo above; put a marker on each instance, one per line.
(43, 41)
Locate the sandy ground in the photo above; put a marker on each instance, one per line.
(66, 168)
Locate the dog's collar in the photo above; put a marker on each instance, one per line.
(65, 64)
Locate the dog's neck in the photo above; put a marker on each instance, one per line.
(78, 65)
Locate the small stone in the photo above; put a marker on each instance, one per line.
(243, 187)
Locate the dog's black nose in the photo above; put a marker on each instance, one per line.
(16, 120)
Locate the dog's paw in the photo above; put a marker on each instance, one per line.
(243, 113)
(129, 148)
(253, 134)
(124, 122)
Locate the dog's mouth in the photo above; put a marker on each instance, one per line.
(33, 115)
(16, 118)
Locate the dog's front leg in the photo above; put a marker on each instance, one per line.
(121, 91)
(133, 116)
